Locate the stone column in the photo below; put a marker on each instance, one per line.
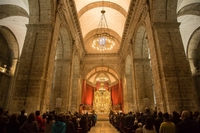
(75, 93)
(143, 84)
(192, 66)
(5, 79)
(74, 88)
(173, 83)
(125, 92)
(129, 93)
(33, 81)
(61, 85)
(80, 81)
(196, 77)
(13, 70)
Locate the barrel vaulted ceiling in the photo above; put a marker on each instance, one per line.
(16, 15)
(89, 14)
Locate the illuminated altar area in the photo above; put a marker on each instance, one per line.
(102, 91)
(102, 100)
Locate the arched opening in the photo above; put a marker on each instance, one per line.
(61, 78)
(193, 55)
(9, 54)
(5, 65)
(102, 91)
(143, 71)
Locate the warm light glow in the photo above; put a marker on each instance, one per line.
(102, 87)
(103, 42)
(102, 39)
(102, 79)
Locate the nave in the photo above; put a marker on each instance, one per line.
(103, 126)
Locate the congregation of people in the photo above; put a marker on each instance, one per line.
(133, 122)
(49, 122)
(156, 122)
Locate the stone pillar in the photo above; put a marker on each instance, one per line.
(33, 81)
(192, 66)
(61, 84)
(125, 92)
(75, 93)
(13, 70)
(173, 83)
(196, 77)
(5, 79)
(80, 82)
(74, 87)
(143, 84)
(129, 94)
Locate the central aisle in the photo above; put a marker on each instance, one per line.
(103, 127)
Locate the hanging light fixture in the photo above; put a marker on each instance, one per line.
(102, 77)
(103, 40)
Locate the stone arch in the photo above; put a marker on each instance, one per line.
(5, 56)
(11, 53)
(97, 70)
(192, 50)
(193, 55)
(142, 69)
(191, 9)
(99, 4)
(112, 84)
(61, 78)
(64, 47)
(12, 41)
(14, 15)
(12, 10)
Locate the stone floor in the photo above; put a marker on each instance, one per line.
(103, 127)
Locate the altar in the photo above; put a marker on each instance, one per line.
(102, 102)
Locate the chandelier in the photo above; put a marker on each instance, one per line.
(102, 78)
(102, 39)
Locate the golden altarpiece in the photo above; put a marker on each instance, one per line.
(102, 100)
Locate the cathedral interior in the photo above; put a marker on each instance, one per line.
(101, 55)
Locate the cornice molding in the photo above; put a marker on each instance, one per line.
(73, 13)
(127, 24)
